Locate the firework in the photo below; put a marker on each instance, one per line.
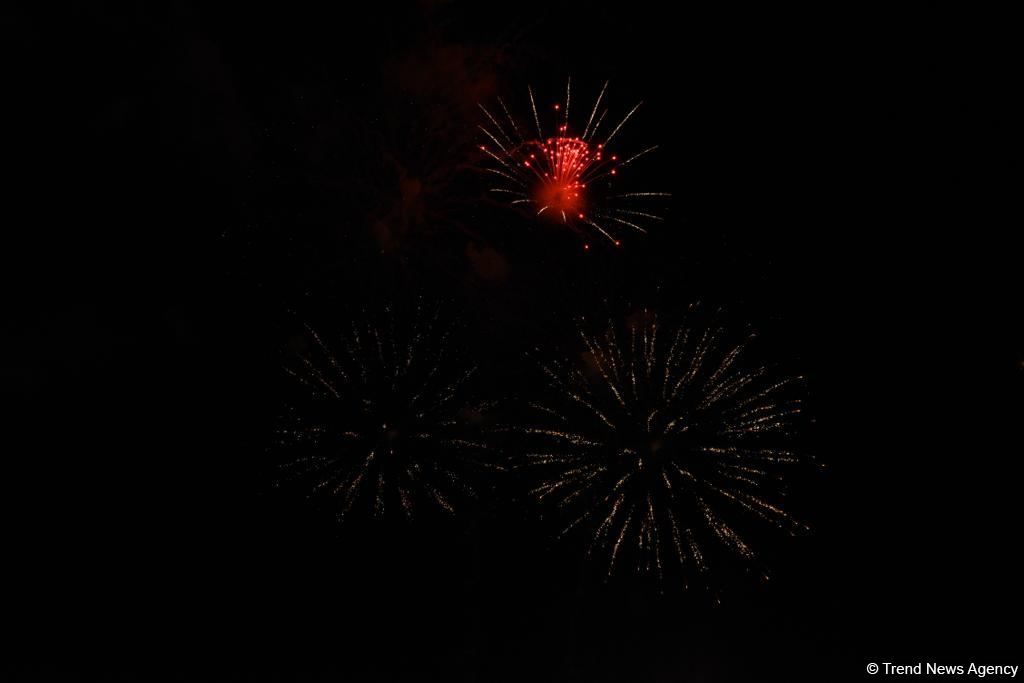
(384, 419)
(568, 175)
(662, 446)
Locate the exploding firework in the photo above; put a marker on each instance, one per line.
(568, 176)
(385, 418)
(662, 447)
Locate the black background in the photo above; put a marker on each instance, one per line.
(184, 182)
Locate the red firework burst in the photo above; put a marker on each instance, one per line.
(568, 178)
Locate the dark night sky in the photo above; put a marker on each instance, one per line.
(184, 181)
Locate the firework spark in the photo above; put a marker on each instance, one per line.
(567, 176)
(662, 447)
(385, 419)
